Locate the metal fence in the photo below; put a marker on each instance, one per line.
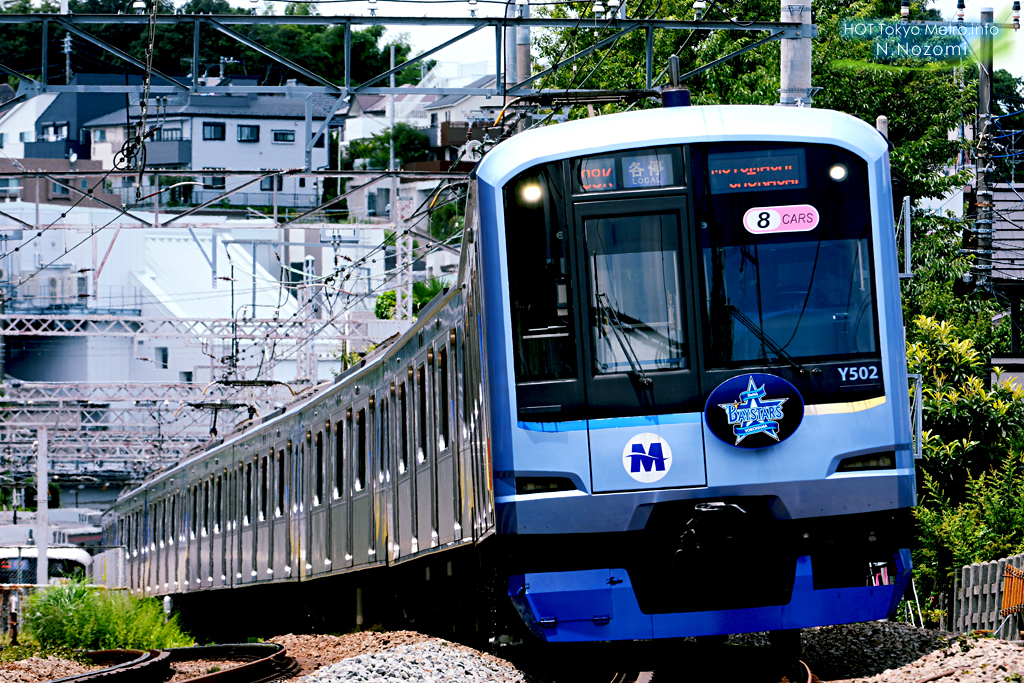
(978, 599)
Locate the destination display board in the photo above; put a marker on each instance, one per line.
(631, 170)
(774, 169)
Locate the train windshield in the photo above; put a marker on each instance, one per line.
(785, 254)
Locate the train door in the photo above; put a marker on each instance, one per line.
(279, 545)
(457, 341)
(635, 266)
(248, 540)
(444, 478)
(362, 511)
(350, 453)
(339, 550)
(405, 522)
(217, 570)
(328, 537)
(384, 523)
(206, 543)
(426, 505)
(318, 514)
(263, 528)
(293, 486)
(194, 540)
(378, 517)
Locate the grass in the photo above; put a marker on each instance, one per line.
(80, 616)
(33, 649)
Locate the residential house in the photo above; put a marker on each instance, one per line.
(53, 188)
(226, 132)
(18, 124)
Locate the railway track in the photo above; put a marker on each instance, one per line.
(261, 663)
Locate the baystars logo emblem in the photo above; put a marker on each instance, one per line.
(647, 457)
(752, 415)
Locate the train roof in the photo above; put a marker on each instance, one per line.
(679, 125)
(77, 554)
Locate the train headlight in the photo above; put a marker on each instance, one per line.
(839, 172)
(531, 193)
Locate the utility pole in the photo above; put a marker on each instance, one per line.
(42, 509)
(391, 142)
(67, 54)
(512, 10)
(795, 76)
(983, 224)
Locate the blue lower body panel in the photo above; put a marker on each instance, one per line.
(599, 604)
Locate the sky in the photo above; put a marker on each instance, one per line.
(480, 46)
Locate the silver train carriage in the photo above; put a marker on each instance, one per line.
(665, 397)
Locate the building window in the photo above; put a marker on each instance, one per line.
(161, 357)
(267, 184)
(433, 120)
(3, 137)
(60, 190)
(169, 134)
(213, 182)
(84, 184)
(319, 141)
(248, 133)
(284, 136)
(99, 135)
(26, 136)
(302, 182)
(185, 377)
(62, 131)
(213, 130)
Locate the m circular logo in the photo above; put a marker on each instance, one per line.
(754, 410)
(647, 457)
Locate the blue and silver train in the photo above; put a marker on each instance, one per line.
(665, 397)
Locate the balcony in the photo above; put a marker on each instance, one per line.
(169, 153)
(56, 149)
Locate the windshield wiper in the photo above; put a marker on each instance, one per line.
(768, 341)
(620, 336)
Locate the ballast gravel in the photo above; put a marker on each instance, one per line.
(36, 670)
(432, 661)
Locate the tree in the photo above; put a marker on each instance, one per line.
(318, 48)
(410, 145)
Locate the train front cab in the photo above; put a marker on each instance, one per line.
(698, 374)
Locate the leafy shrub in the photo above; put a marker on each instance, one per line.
(81, 616)
(987, 525)
(969, 429)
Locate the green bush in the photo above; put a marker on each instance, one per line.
(81, 616)
(987, 525)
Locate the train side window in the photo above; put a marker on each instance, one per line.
(280, 483)
(218, 503)
(264, 489)
(444, 435)
(319, 445)
(361, 455)
(195, 511)
(339, 460)
(299, 481)
(248, 495)
(384, 453)
(403, 430)
(540, 276)
(465, 389)
(174, 520)
(206, 507)
(421, 414)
